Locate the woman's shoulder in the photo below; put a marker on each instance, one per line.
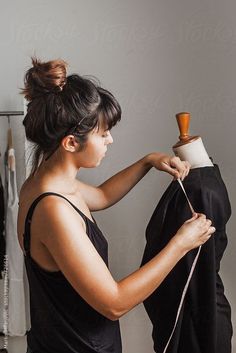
(58, 197)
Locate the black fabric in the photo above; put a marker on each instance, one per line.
(61, 321)
(204, 325)
(2, 227)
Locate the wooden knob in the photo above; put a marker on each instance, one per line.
(183, 120)
(183, 123)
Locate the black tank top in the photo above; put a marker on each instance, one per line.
(61, 320)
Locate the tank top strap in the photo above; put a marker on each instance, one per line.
(28, 219)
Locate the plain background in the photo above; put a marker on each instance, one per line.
(158, 58)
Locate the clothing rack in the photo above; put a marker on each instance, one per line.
(11, 113)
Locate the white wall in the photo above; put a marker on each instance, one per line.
(158, 58)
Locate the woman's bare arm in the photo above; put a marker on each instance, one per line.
(116, 187)
(77, 258)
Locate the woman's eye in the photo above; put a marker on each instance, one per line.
(105, 135)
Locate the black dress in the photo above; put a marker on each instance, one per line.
(204, 324)
(61, 320)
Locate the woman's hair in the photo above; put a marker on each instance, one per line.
(60, 105)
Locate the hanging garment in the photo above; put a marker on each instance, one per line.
(3, 272)
(61, 320)
(2, 228)
(204, 324)
(16, 295)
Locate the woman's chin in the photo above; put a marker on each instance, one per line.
(99, 162)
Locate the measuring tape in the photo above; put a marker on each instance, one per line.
(189, 276)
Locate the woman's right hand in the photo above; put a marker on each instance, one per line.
(194, 232)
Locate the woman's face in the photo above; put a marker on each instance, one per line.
(95, 147)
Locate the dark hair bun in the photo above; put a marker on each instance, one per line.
(44, 78)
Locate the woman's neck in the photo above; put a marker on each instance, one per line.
(57, 173)
(195, 153)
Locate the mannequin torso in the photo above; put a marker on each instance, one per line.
(195, 153)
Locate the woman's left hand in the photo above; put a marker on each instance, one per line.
(170, 164)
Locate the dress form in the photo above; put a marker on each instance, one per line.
(204, 321)
(190, 148)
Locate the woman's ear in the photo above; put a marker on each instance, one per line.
(70, 144)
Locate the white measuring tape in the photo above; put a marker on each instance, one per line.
(190, 205)
(189, 276)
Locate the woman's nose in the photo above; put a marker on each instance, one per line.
(109, 139)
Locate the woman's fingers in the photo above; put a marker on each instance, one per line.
(172, 165)
(186, 171)
(195, 215)
(206, 236)
(195, 231)
(206, 227)
(182, 168)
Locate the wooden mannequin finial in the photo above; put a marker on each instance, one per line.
(183, 120)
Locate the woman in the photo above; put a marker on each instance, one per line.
(75, 303)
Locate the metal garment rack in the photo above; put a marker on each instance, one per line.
(11, 113)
